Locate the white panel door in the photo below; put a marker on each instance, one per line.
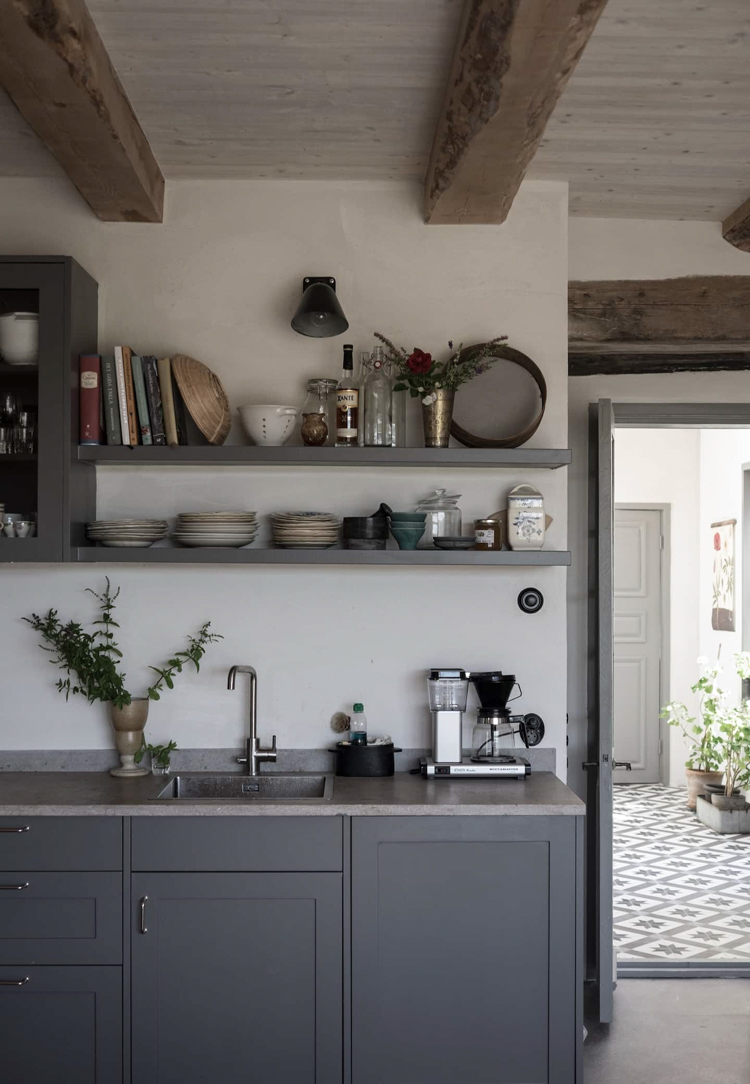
(637, 643)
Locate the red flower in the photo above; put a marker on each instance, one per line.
(717, 541)
(419, 362)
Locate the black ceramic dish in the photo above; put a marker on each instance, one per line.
(365, 760)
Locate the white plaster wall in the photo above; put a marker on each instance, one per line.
(220, 280)
(662, 466)
(723, 454)
(613, 249)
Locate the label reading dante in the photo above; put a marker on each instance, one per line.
(347, 411)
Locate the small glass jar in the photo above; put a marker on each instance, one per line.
(443, 517)
(316, 412)
(488, 534)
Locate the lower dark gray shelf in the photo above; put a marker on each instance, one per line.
(209, 556)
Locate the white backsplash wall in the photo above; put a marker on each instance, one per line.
(220, 280)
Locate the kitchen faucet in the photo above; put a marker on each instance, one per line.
(255, 753)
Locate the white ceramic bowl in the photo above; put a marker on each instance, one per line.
(268, 425)
(19, 337)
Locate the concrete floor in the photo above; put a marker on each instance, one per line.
(673, 1031)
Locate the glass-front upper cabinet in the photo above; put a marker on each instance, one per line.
(48, 317)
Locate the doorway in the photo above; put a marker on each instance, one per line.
(671, 888)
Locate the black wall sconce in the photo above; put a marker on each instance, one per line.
(319, 314)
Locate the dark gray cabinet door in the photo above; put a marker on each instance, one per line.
(237, 977)
(464, 950)
(60, 918)
(60, 1025)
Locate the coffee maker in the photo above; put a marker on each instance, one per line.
(494, 733)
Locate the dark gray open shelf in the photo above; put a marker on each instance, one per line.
(243, 455)
(412, 558)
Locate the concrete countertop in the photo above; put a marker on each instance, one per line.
(55, 794)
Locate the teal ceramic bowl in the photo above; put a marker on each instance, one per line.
(408, 517)
(407, 537)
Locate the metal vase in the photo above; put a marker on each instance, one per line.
(128, 723)
(437, 418)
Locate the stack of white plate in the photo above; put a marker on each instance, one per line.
(127, 533)
(216, 528)
(303, 529)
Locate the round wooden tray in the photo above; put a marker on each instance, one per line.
(515, 440)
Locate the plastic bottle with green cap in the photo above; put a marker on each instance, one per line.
(358, 725)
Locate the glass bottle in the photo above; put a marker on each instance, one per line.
(315, 412)
(378, 394)
(364, 371)
(398, 418)
(358, 725)
(347, 403)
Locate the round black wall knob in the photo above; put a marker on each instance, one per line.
(530, 600)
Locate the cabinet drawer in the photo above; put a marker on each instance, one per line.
(61, 1025)
(60, 918)
(61, 843)
(251, 844)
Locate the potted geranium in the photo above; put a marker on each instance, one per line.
(704, 765)
(91, 662)
(435, 382)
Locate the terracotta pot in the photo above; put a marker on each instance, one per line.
(696, 784)
(437, 418)
(128, 723)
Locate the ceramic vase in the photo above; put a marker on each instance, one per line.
(437, 418)
(527, 522)
(128, 723)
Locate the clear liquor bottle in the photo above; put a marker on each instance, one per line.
(378, 399)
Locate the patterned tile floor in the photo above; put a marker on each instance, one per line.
(681, 892)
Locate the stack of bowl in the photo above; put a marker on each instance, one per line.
(225, 529)
(407, 528)
(127, 533)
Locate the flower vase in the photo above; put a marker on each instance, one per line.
(437, 416)
(128, 723)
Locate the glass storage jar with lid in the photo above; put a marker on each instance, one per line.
(316, 425)
(443, 516)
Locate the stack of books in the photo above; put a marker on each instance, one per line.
(130, 399)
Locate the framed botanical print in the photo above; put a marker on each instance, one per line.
(722, 580)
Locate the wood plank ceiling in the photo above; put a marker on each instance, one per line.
(655, 121)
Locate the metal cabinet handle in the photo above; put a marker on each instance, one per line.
(26, 828)
(17, 888)
(144, 927)
(622, 764)
(14, 982)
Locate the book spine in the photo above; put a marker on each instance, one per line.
(127, 354)
(153, 395)
(165, 381)
(144, 425)
(109, 399)
(90, 390)
(122, 397)
(180, 413)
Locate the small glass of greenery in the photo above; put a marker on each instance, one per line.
(161, 756)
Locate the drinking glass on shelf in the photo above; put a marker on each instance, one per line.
(7, 439)
(8, 408)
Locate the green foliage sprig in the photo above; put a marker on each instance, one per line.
(91, 660)
(419, 374)
(160, 754)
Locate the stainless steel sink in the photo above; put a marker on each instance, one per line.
(273, 787)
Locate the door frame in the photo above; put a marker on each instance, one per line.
(649, 415)
(665, 571)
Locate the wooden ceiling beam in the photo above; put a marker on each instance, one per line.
(736, 227)
(58, 74)
(511, 61)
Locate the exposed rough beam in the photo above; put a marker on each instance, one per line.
(625, 364)
(688, 313)
(56, 70)
(736, 227)
(511, 61)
